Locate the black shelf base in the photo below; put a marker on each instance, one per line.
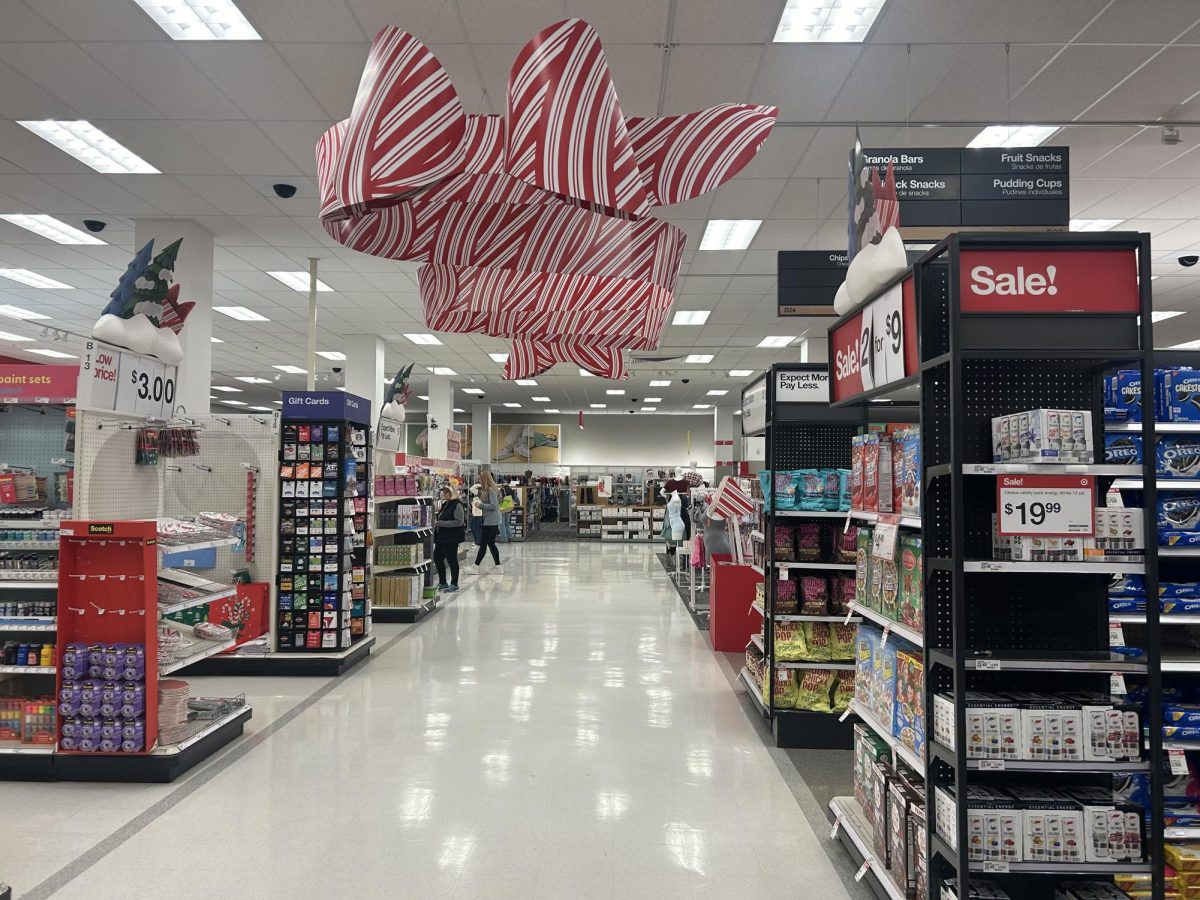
(801, 729)
(296, 662)
(405, 614)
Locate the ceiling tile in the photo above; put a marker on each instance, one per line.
(886, 81)
(331, 72)
(698, 77)
(720, 22)
(803, 79)
(624, 21)
(1076, 78)
(514, 21)
(241, 146)
(255, 77)
(303, 20)
(77, 79)
(1131, 23)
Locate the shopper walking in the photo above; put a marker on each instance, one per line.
(476, 516)
(449, 530)
(489, 502)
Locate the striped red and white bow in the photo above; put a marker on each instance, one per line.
(532, 226)
(730, 501)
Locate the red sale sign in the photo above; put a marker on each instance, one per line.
(1047, 505)
(1058, 280)
(877, 345)
(38, 384)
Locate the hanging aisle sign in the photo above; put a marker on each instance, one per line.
(877, 344)
(121, 381)
(35, 383)
(1047, 505)
(388, 435)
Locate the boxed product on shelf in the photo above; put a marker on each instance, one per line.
(856, 471)
(880, 775)
(875, 675)
(1123, 396)
(1043, 435)
(862, 567)
(906, 471)
(870, 467)
(1123, 449)
(869, 749)
(908, 724)
(1181, 390)
(902, 848)
(885, 586)
(918, 824)
(912, 582)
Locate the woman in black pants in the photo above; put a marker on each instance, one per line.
(489, 501)
(449, 530)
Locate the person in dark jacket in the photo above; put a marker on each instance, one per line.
(449, 530)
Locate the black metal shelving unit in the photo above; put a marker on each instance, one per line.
(421, 535)
(1029, 626)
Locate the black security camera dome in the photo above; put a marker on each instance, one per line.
(284, 190)
(94, 225)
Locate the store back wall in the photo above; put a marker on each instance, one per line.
(638, 440)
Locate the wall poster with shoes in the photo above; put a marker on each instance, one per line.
(525, 443)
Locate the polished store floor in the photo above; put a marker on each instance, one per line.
(559, 730)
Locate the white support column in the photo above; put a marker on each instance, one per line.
(310, 361)
(441, 410)
(724, 451)
(364, 369)
(194, 272)
(481, 432)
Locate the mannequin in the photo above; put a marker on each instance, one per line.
(673, 525)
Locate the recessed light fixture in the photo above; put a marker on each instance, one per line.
(654, 399)
(428, 340)
(691, 316)
(262, 408)
(540, 399)
(702, 406)
(472, 390)
(216, 340)
(660, 384)
(526, 382)
(550, 410)
(13, 338)
(33, 279)
(737, 412)
(777, 340)
(252, 379)
(717, 393)
(1013, 136)
(513, 405)
(649, 409)
(459, 409)
(15, 312)
(697, 359)
(615, 392)
(225, 389)
(599, 406)
(1186, 345)
(1161, 315)
(291, 370)
(442, 370)
(231, 402)
(56, 354)
(729, 234)
(498, 357)
(584, 373)
(241, 313)
(52, 228)
(422, 396)
(740, 373)
(827, 21)
(91, 146)
(280, 402)
(1094, 224)
(201, 20)
(298, 281)
(335, 355)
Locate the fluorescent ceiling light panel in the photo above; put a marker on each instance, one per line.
(442, 370)
(1013, 136)
(737, 412)
(280, 402)
(91, 146)
(698, 358)
(550, 410)
(702, 406)
(740, 373)
(827, 21)
(13, 338)
(298, 281)
(526, 382)
(226, 389)
(729, 234)
(54, 353)
(291, 370)
(660, 384)
(33, 279)
(1161, 315)
(649, 409)
(422, 396)
(252, 379)
(262, 408)
(654, 399)
(201, 20)
(216, 340)
(472, 390)
(428, 340)
(776, 340)
(241, 313)
(15, 312)
(615, 392)
(231, 402)
(52, 228)
(691, 316)
(540, 399)
(513, 405)
(459, 409)
(1094, 224)
(717, 393)
(599, 406)
(584, 373)
(1187, 345)
(335, 355)
(498, 357)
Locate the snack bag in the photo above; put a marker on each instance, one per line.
(785, 543)
(832, 492)
(844, 496)
(809, 489)
(808, 542)
(841, 594)
(791, 643)
(845, 544)
(814, 595)
(786, 603)
(814, 689)
(856, 471)
(842, 640)
(843, 691)
(862, 572)
(817, 638)
(909, 723)
(786, 688)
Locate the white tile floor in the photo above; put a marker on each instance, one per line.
(561, 730)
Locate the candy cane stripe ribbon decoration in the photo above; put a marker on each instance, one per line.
(534, 226)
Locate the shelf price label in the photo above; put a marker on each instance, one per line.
(1047, 505)
(1177, 761)
(995, 866)
(112, 379)
(858, 876)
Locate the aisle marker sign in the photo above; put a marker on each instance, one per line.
(1046, 505)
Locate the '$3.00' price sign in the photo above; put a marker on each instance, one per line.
(1049, 505)
(112, 379)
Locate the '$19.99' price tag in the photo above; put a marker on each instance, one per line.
(1050, 505)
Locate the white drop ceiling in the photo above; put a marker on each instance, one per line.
(223, 121)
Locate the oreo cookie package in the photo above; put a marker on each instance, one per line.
(1182, 389)
(1123, 449)
(1177, 455)
(1178, 519)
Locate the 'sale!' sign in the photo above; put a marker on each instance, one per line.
(1059, 280)
(877, 345)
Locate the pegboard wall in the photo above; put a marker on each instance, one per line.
(797, 445)
(110, 485)
(31, 436)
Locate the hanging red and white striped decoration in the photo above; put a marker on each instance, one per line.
(730, 501)
(533, 226)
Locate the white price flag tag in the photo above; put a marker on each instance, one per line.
(887, 632)
(858, 876)
(987, 665)
(1116, 684)
(837, 826)
(1116, 635)
(844, 716)
(1177, 760)
(783, 573)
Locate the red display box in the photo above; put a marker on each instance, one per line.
(108, 593)
(731, 620)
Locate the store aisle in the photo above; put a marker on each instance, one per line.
(560, 730)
